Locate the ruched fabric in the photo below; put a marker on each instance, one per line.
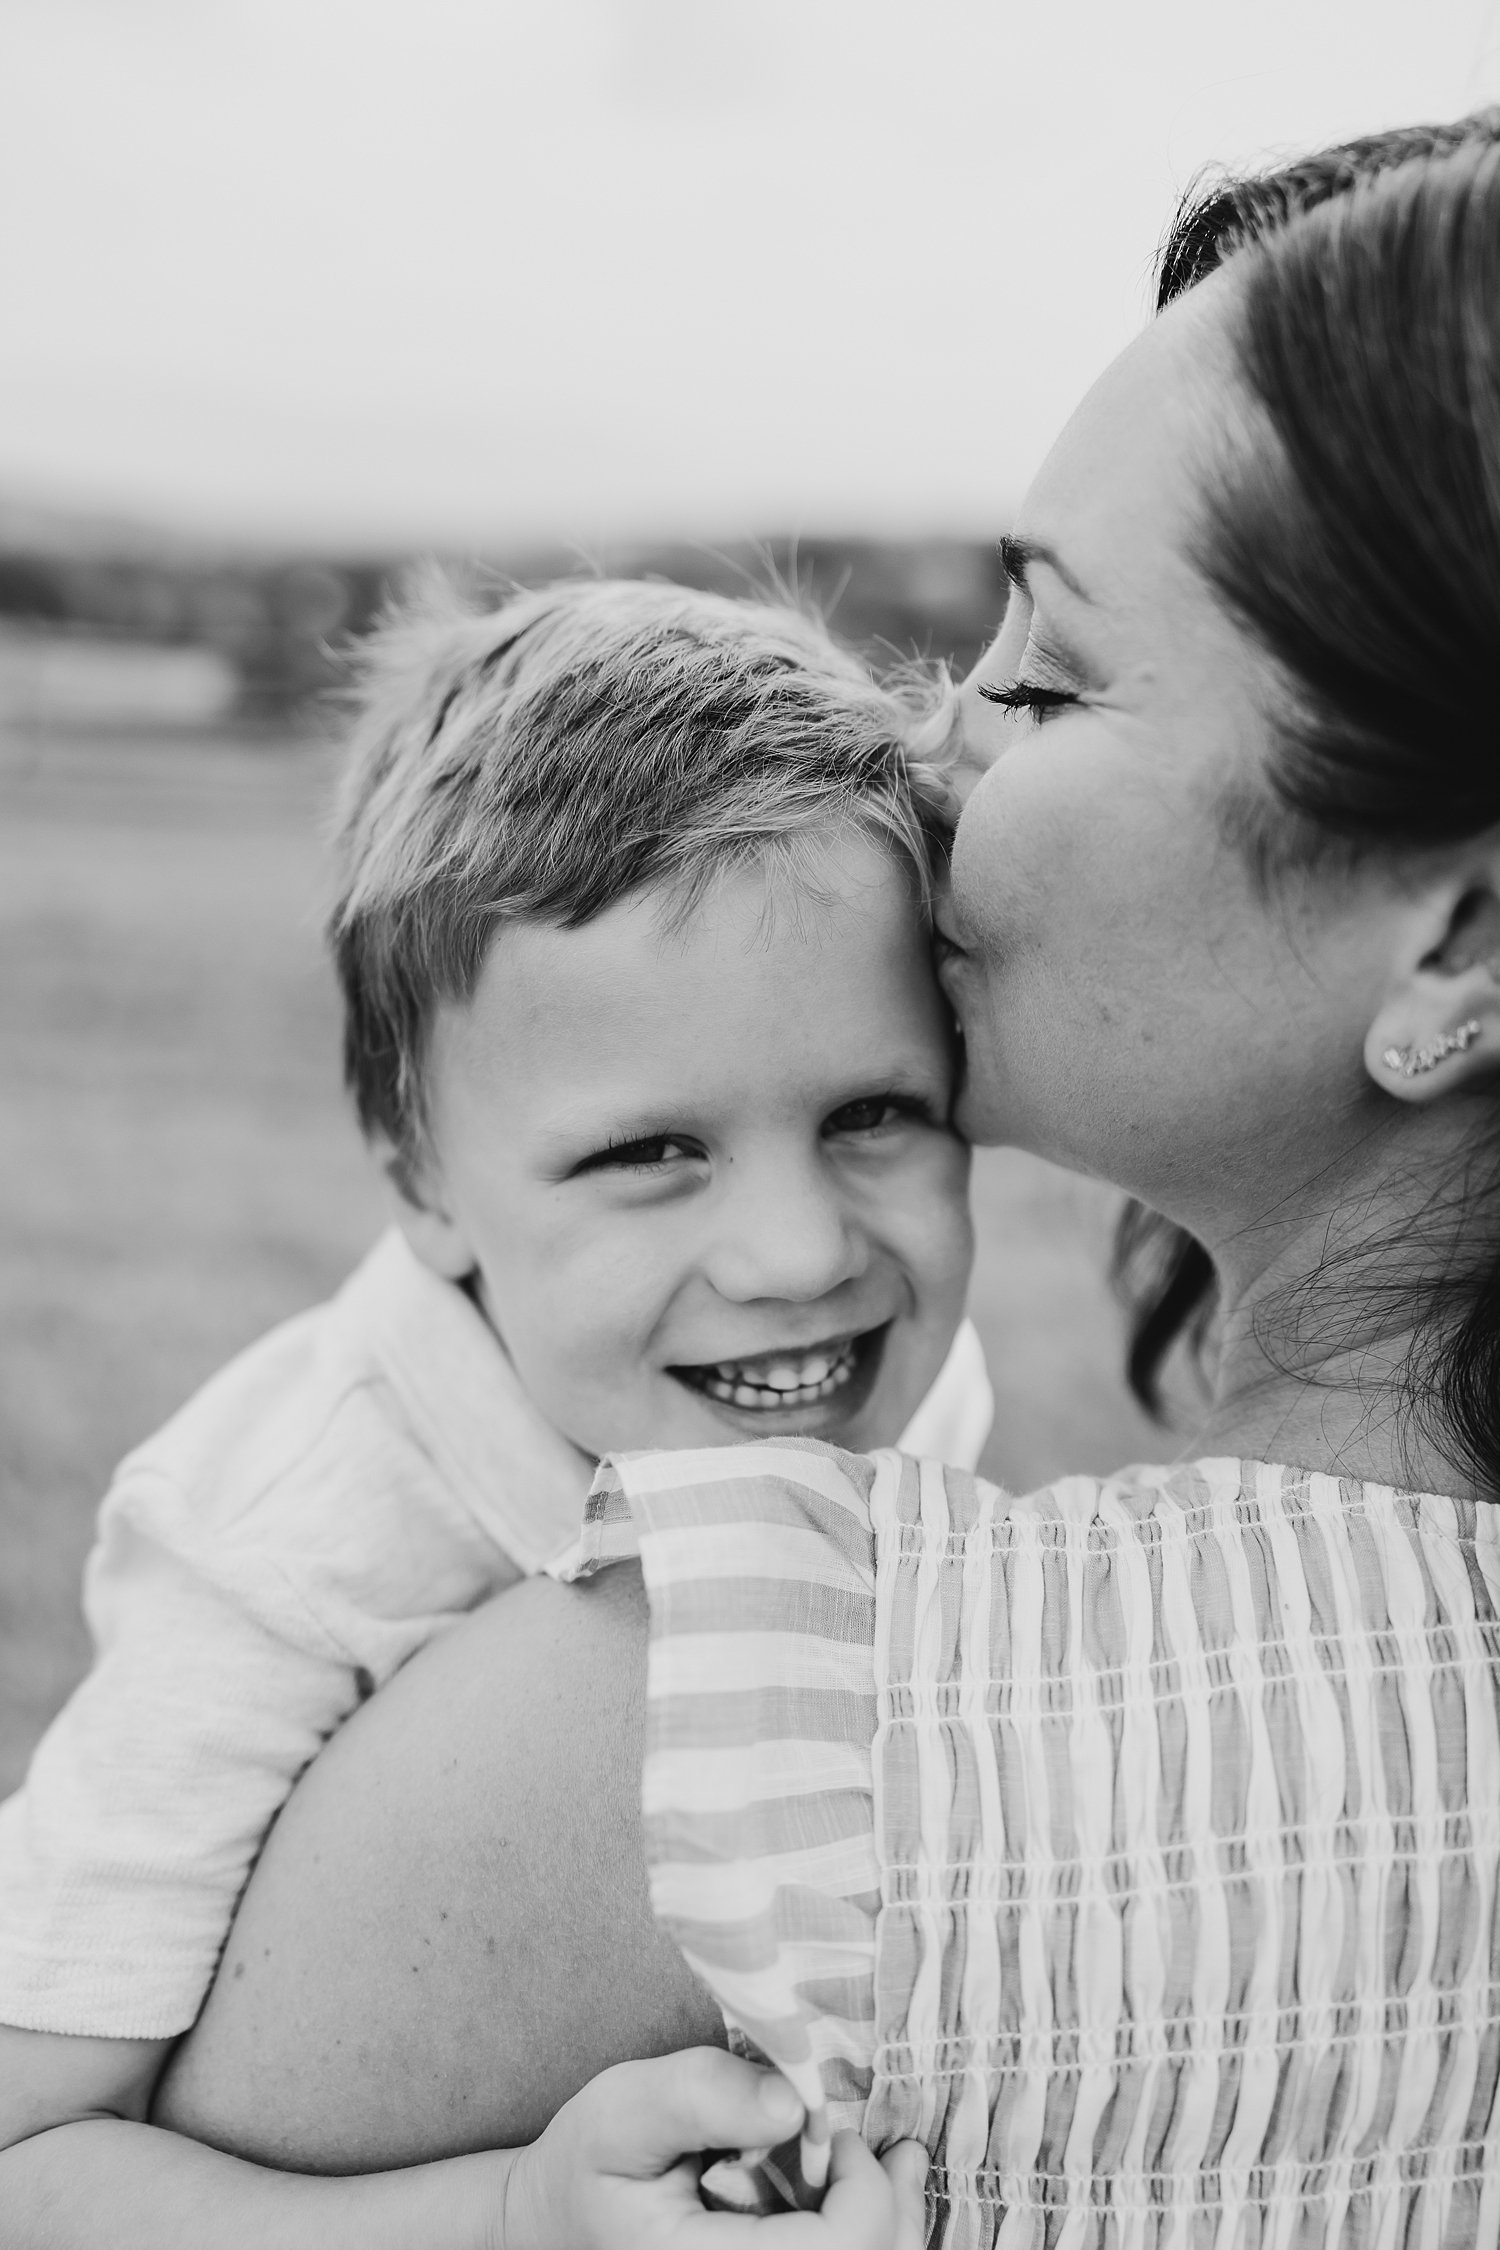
(1133, 1843)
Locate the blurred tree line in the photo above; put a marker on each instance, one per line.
(281, 622)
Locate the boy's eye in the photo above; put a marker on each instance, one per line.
(648, 1152)
(871, 1111)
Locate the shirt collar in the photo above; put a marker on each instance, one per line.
(519, 1477)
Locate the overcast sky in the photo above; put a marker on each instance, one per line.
(478, 270)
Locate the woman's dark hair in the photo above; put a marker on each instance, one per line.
(1362, 550)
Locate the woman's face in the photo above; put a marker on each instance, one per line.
(1135, 1004)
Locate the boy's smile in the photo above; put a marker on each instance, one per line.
(698, 1164)
(804, 1388)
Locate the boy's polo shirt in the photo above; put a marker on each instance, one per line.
(317, 1512)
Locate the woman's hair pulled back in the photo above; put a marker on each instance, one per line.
(1357, 538)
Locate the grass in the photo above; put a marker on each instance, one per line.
(178, 1171)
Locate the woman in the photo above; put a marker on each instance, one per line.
(1225, 930)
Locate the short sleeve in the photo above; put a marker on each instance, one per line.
(757, 1790)
(216, 1681)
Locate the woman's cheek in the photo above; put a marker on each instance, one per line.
(1008, 860)
(976, 865)
(928, 1225)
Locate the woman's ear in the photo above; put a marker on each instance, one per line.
(1437, 1031)
(422, 1213)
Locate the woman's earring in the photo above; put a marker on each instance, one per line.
(1412, 1062)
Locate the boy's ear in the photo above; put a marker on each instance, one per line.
(422, 1214)
(1437, 1031)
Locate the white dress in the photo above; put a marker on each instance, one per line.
(1134, 1843)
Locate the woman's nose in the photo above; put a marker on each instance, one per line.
(786, 1237)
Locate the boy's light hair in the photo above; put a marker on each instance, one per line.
(540, 761)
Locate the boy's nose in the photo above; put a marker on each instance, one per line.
(791, 1239)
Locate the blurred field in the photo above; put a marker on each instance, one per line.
(177, 1170)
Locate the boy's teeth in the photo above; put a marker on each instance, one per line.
(781, 1382)
(783, 1374)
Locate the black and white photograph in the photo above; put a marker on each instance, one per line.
(749, 1125)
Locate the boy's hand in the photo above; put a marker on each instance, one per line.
(617, 2169)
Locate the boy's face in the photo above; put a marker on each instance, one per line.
(704, 1175)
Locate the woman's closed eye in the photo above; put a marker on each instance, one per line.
(1029, 695)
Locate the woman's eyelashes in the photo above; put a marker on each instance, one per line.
(1029, 695)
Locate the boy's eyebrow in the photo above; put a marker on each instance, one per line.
(1018, 556)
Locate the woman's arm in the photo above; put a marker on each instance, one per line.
(383, 1999)
(449, 1931)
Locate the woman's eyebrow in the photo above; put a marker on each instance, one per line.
(1018, 556)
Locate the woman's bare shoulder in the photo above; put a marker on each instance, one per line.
(449, 1930)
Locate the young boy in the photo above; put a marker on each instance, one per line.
(632, 936)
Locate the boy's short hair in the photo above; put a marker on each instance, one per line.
(544, 759)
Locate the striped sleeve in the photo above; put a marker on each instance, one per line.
(759, 1569)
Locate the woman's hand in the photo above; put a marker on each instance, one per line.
(617, 2169)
